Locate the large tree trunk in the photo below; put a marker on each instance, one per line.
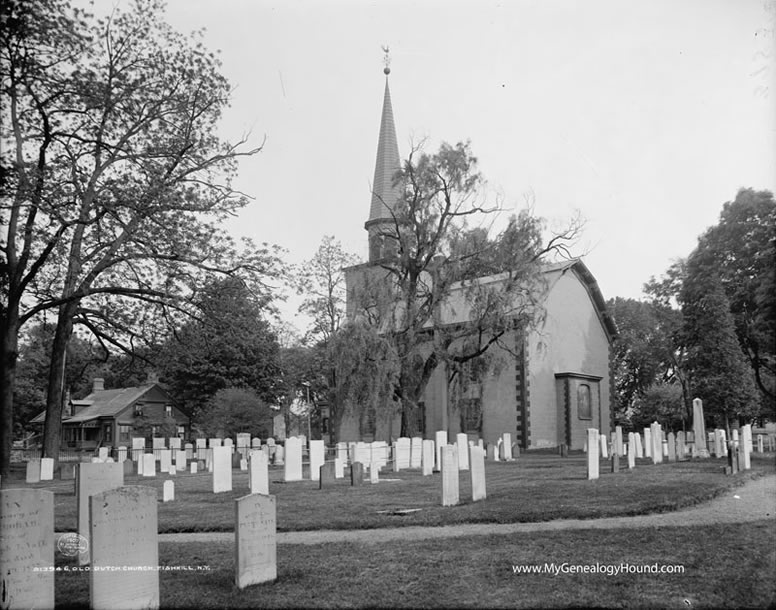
(52, 430)
(9, 353)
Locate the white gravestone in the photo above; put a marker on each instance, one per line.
(403, 454)
(193, 467)
(149, 465)
(462, 441)
(171, 470)
(258, 472)
(639, 447)
(293, 460)
(280, 453)
(165, 459)
(174, 443)
(222, 469)
(618, 441)
(477, 472)
(138, 448)
(157, 444)
(506, 447)
(746, 434)
(592, 455)
(124, 544)
(102, 453)
(47, 469)
(374, 474)
(317, 457)
(342, 451)
(450, 487)
(416, 452)
(27, 548)
(255, 535)
(168, 491)
(602, 443)
(188, 448)
(339, 468)
(656, 436)
(427, 461)
(180, 460)
(699, 430)
(93, 479)
(632, 447)
(440, 438)
(213, 442)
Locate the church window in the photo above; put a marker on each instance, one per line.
(584, 406)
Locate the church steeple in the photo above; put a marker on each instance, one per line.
(384, 193)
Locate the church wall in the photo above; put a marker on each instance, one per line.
(572, 340)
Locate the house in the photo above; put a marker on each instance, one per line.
(545, 386)
(110, 418)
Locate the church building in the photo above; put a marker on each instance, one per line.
(550, 385)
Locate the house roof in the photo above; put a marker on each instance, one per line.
(103, 403)
(384, 193)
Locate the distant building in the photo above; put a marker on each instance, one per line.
(110, 418)
(552, 384)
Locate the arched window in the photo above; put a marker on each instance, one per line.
(584, 408)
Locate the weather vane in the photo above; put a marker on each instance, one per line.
(386, 60)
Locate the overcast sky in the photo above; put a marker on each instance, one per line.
(646, 116)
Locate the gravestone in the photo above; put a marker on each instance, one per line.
(243, 439)
(342, 451)
(255, 540)
(681, 446)
(403, 453)
(450, 494)
(602, 442)
(563, 449)
(255, 443)
(618, 441)
(760, 444)
(339, 468)
(379, 454)
(228, 442)
(356, 473)
(631, 450)
(718, 440)
(258, 472)
(615, 462)
(193, 467)
(67, 470)
(317, 458)
(326, 474)
(656, 436)
(222, 469)
(427, 460)
(671, 442)
(171, 470)
(699, 430)
(647, 443)
(592, 455)
(374, 474)
(746, 437)
(138, 448)
(234, 458)
(47, 469)
(165, 460)
(477, 473)
(33, 471)
(174, 443)
(416, 452)
(462, 441)
(129, 467)
(94, 479)
(493, 452)
(149, 465)
(168, 491)
(180, 460)
(506, 447)
(244, 463)
(279, 457)
(102, 453)
(188, 448)
(124, 544)
(293, 460)
(711, 442)
(440, 438)
(27, 548)
(213, 442)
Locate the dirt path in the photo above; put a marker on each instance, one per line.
(754, 501)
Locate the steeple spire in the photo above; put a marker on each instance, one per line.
(384, 193)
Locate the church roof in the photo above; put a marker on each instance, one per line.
(384, 193)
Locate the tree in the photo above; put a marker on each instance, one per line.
(430, 249)
(230, 344)
(114, 179)
(660, 402)
(718, 370)
(232, 410)
(322, 280)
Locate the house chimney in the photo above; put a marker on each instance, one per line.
(98, 385)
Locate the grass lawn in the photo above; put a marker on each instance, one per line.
(536, 487)
(724, 566)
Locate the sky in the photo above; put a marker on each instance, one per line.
(644, 116)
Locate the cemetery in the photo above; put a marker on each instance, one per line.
(158, 516)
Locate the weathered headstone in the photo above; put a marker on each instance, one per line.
(647, 443)
(149, 465)
(222, 469)
(718, 441)
(760, 444)
(129, 467)
(416, 452)
(403, 453)
(671, 442)
(317, 458)
(171, 470)
(26, 548)
(615, 462)
(493, 452)
(47, 469)
(157, 444)
(33, 471)
(193, 467)
(592, 454)
(656, 436)
(180, 460)
(255, 540)
(342, 451)
(165, 459)
(699, 430)
(427, 461)
(462, 441)
(258, 472)
(681, 446)
(138, 448)
(102, 453)
(279, 457)
(506, 447)
(618, 441)
(639, 446)
(604, 446)
(631, 450)
(174, 443)
(94, 479)
(746, 437)
(293, 460)
(67, 470)
(124, 544)
(356, 473)
(440, 438)
(188, 448)
(477, 473)
(339, 468)
(168, 491)
(213, 442)
(326, 475)
(374, 473)
(450, 490)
